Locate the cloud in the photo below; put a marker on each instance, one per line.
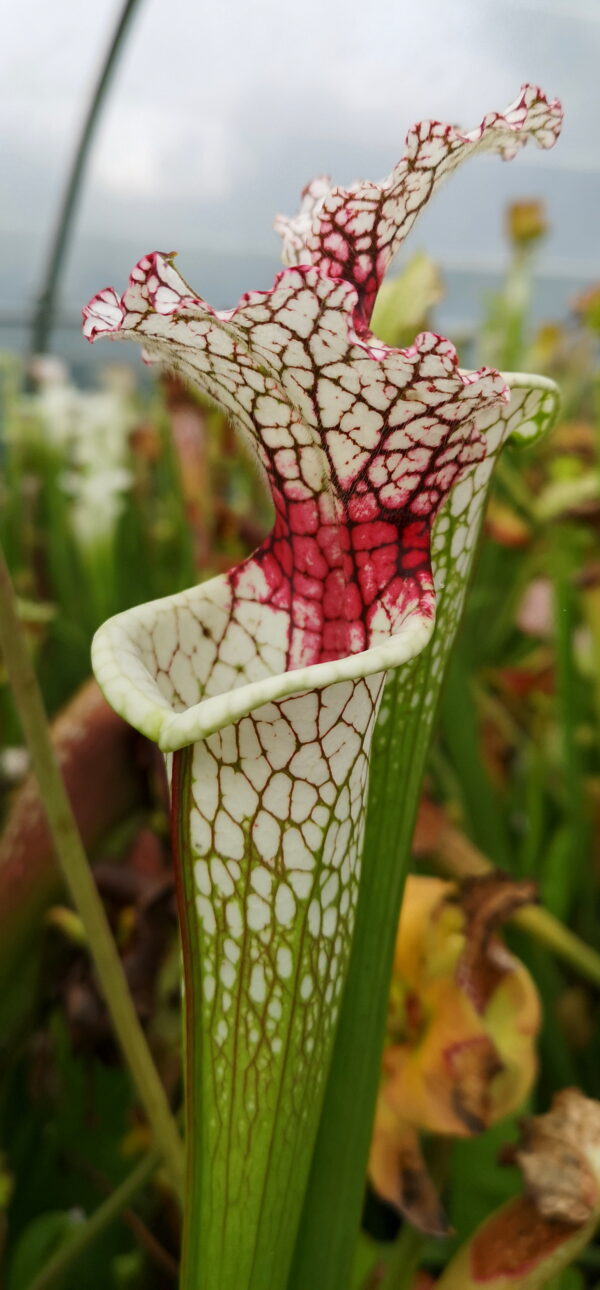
(219, 113)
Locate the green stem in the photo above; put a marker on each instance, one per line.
(461, 730)
(404, 1260)
(547, 929)
(77, 874)
(591, 611)
(92, 1227)
(459, 858)
(564, 618)
(368, 1262)
(43, 317)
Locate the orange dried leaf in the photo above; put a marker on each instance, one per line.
(463, 1019)
(399, 1172)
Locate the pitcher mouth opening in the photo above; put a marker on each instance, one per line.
(181, 668)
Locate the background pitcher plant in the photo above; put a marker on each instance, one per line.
(265, 682)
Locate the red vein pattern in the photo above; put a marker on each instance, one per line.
(360, 445)
(353, 234)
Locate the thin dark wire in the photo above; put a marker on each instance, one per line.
(43, 318)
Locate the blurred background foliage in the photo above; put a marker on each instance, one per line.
(116, 495)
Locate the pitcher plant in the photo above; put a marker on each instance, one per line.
(263, 685)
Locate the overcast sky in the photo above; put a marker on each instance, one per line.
(222, 109)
